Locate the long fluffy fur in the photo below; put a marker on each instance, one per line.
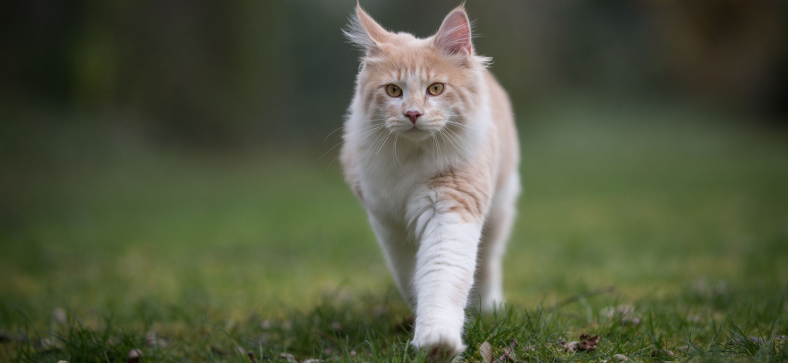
(356, 34)
(440, 191)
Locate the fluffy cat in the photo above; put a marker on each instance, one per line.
(430, 149)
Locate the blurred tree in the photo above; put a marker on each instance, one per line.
(248, 73)
(730, 51)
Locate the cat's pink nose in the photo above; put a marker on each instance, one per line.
(413, 115)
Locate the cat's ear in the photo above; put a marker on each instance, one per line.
(365, 32)
(454, 35)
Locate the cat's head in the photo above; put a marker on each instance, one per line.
(417, 87)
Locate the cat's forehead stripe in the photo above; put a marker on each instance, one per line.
(418, 73)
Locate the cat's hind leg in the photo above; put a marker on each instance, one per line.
(487, 292)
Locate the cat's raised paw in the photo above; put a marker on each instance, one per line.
(441, 344)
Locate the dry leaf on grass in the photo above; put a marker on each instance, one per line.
(508, 353)
(588, 343)
(486, 352)
(565, 345)
(571, 346)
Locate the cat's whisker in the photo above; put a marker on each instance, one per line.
(455, 123)
(374, 145)
(332, 132)
(465, 127)
(463, 114)
(446, 147)
(440, 154)
(366, 131)
(457, 145)
(383, 143)
(444, 151)
(460, 130)
(467, 147)
(333, 160)
(396, 158)
(329, 150)
(435, 143)
(362, 132)
(374, 123)
(461, 124)
(351, 135)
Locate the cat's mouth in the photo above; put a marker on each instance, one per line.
(420, 130)
(415, 133)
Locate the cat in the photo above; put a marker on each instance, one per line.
(431, 150)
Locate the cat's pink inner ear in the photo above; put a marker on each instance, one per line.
(375, 31)
(454, 35)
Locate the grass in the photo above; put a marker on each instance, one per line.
(191, 258)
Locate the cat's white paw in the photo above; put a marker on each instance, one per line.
(441, 343)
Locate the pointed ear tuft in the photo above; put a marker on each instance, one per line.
(454, 35)
(365, 32)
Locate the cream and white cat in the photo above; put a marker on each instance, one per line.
(430, 148)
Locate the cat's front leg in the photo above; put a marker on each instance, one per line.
(445, 264)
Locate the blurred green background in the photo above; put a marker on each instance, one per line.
(169, 152)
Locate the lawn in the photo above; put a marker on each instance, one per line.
(663, 230)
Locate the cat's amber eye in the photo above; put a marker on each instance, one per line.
(393, 90)
(435, 89)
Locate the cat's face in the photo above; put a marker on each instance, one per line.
(413, 87)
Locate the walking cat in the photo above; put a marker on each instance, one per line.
(430, 149)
